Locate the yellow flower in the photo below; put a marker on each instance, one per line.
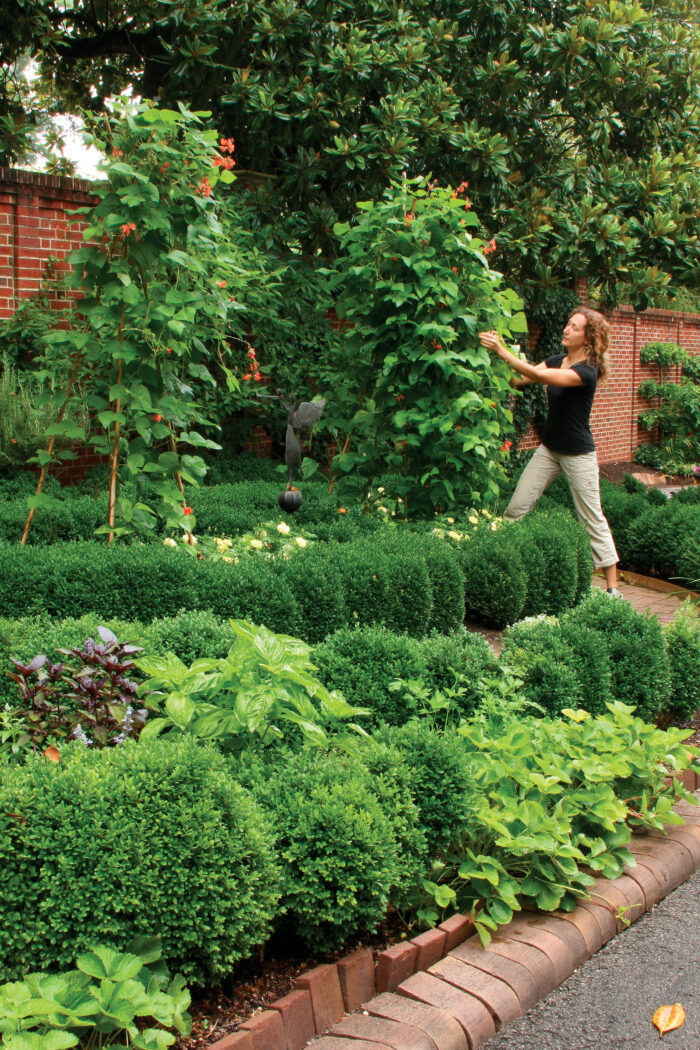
(283, 528)
(300, 541)
(257, 544)
(473, 519)
(485, 513)
(454, 535)
(169, 542)
(451, 521)
(227, 558)
(383, 510)
(381, 489)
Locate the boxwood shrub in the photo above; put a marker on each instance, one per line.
(336, 842)
(551, 559)
(319, 595)
(142, 839)
(362, 663)
(682, 636)
(386, 584)
(447, 583)
(141, 581)
(495, 577)
(639, 663)
(441, 781)
(562, 665)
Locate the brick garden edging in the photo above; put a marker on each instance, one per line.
(443, 991)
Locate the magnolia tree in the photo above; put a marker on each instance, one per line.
(414, 392)
(159, 284)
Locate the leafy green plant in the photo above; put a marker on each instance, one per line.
(92, 700)
(639, 664)
(677, 414)
(414, 392)
(110, 998)
(162, 278)
(682, 637)
(337, 842)
(146, 838)
(440, 780)
(265, 681)
(552, 800)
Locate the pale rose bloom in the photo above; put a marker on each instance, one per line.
(300, 541)
(283, 528)
(257, 544)
(169, 542)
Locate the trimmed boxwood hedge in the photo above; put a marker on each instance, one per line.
(136, 840)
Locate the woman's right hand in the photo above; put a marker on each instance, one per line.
(492, 341)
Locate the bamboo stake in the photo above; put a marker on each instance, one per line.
(49, 450)
(173, 447)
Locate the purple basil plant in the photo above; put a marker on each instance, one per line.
(89, 698)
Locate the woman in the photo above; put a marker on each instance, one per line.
(567, 443)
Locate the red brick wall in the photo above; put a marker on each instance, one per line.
(617, 404)
(33, 228)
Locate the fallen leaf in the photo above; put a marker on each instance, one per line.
(667, 1018)
(52, 754)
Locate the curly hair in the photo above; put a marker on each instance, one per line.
(597, 340)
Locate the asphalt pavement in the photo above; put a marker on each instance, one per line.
(608, 1004)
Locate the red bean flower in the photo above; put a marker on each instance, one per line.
(221, 284)
(157, 418)
(187, 510)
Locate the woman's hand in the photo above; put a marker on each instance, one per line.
(492, 341)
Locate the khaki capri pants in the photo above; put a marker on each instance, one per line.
(582, 475)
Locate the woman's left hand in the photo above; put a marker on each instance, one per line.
(492, 341)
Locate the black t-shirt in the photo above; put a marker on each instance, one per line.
(566, 428)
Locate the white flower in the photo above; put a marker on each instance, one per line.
(257, 544)
(494, 526)
(169, 542)
(382, 510)
(300, 541)
(454, 535)
(473, 519)
(283, 528)
(227, 558)
(381, 489)
(185, 538)
(451, 521)
(486, 513)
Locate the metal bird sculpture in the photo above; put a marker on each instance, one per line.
(299, 416)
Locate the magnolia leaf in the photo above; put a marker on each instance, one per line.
(667, 1018)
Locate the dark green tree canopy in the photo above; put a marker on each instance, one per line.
(574, 121)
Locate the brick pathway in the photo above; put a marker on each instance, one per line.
(664, 604)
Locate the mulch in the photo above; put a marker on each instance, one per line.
(259, 982)
(616, 472)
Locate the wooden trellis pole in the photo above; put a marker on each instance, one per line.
(49, 450)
